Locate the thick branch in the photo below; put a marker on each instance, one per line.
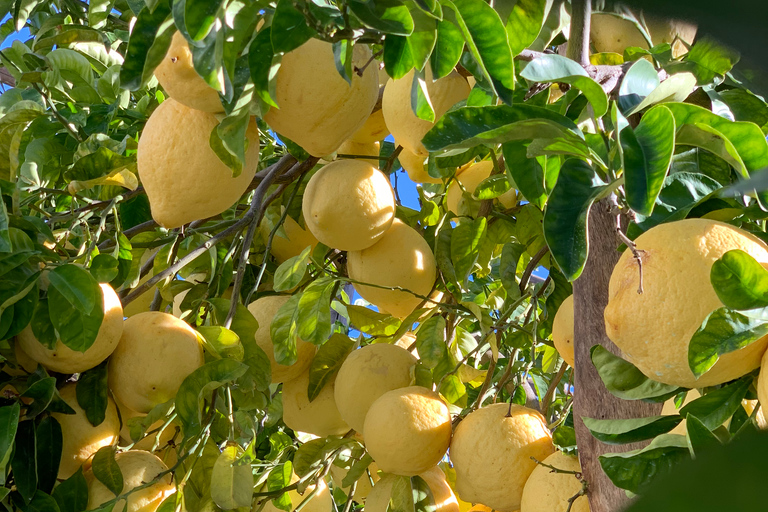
(578, 41)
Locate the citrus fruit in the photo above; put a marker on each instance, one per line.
(183, 177)
(491, 453)
(562, 330)
(290, 242)
(549, 491)
(374, 129)
(612, 34)
(319, 417)
(356, 148)
(156, 353)
(321, 501)
(669, 408)
(407, 430)
(469, 180)
(363, 487)
(445, 501)
(63, 359)
(653, 329)
(348, 205)
(416, 167)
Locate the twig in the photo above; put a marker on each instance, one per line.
(391, 160)
(637, 254)
(57, 115)
(552, 388)
(361, 70)
(577, 474)
(487, 381)
(531, 267)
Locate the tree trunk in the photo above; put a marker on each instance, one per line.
(591, 399)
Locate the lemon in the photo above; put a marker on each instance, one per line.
(183, 177)
(491, 453)
(374, 130)
(363, 487)
(612, 34)
(356, 148)
(63, 359)
(321, 501)
(445, 501)
(406, 128)
(294, 240)
(138, 468)
(469, 180)
(318, 109)
(80, 439)
(319, 417)
(549, 491)
(264, 310)
(365, 375)
(749, 407)
(407, 430)
(156, 353)
(348, 205)
(402, 258)
(669, 408)
(416, 167)
(653, 329)
(180, 80)
(562, 330)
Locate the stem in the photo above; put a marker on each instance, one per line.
(578, 42)
(531, 267)
(552, 388)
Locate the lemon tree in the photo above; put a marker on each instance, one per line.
(290, 254)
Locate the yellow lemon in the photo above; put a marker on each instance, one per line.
(469, 180)
(321, 501)
(562, 330)
(156, 353)
(80, 439)
(669, 408)
(348, 205)
(407, 430)
(178, 77)
(406, 128)
(296, 239)
(416, 167)
(749, 406)
(549, 491)
(491, 453)
(318, 108)
(445, 501)
(402, 258)
(138, 468)
(653, 329)
(374, 130)
(365, 375)
(363, 487)
(63, 359)
(319, 417)
(612, 34)
(264, 310)
(355, 148)
(183, 177)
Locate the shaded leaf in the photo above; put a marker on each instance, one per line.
(327, 362)
(624, 380)
(622, 431)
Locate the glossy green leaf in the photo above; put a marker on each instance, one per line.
(453, 389)
(637, 469)
(372, 322)
(280, 478)
(397, 57)
(264, 66)
(77, 330)
(740, 281)
(98, 12)
(49, 441)
(72, 493)
(624, 380)
(623, 431)
(556, 68)
(231, 483)
(422, 40)
(104, 268)
(389, 16)
(713, 140)
(526, 172)
(9, 421)
(229, 141)
(42, 392)
(284, 331)
(564, 437)
(709, 59)
(77, 286)
(342, 57)
(147, 47)
(420, 101)
(222, 342)
(106, 470)
(448, 47)
(314, 311)
(197, 385)
(675, 88)
(24, 460)
(565, 220)
(647, 154)
(640, 80)
(42, 502)
(717, 406)
(401, 497)
(199, 16)
(492, 187)
(466, 240)
(91, 392)
(700, 438)
(327, 362)
(289, 27)
(524, 23)
(430, 341)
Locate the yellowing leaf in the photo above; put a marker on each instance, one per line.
(231, 484)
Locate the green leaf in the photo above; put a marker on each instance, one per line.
(289, 27)
(314, 311)
(700, 438)
(77, 286)
(398, 60)
(231, 483)
(199, 16)
(430, 341)
(222, 342)
(5, 236)
(487, 42)
(635, 470)
(640, 80)
(42, 502)
(723, 331)
(467, 127)
(342, 57)
(675, 88)
(631, 430)
(389, 16)
(647, 155)
(91, 392)
(492, 187)
(465, 245)
(150, 39)
(284, 331)
(290, 273)
(106, 470)
(709, 59)
(740, 281)
(717, 406)
(555, 68)
(372, 322)
(401, 497)
(524, 23)
(24, 461)
(526, 172)
(195, 388)
(104, 268)
(423, 499)
(264, 66)
(9, 421)
(448, 47)
(624, 380)
(228, 140)
(49, 441)
(565, 220)
(422, 40)
(327, 362)
(280, 478)
(42, 392)
(77, 330)
(453, 389)
(420, 101)
(72, 493)
(564, 436)
(98, 12)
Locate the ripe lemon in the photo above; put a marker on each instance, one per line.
(319, 417)
(363, 487)
(183, 177)
(80, 439)
(348, 205)
(406, 128)
(407, 430)
(749, 406)
(402, 258)
(63, 359)
(416, 167)
(549, 491)
(612, 34)
(296, 239)
(178, 77)
(320, 502)
(469, 180)
(669, 408)
(445, 501)
(353, 147)
(138, 468)
(365, 375)
(374, 130)
(653, 329)
(491, 453)
(318, 108)
(156, 353)
(264, 310)
(562, 330)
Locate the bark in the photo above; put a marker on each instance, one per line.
(591, 399)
